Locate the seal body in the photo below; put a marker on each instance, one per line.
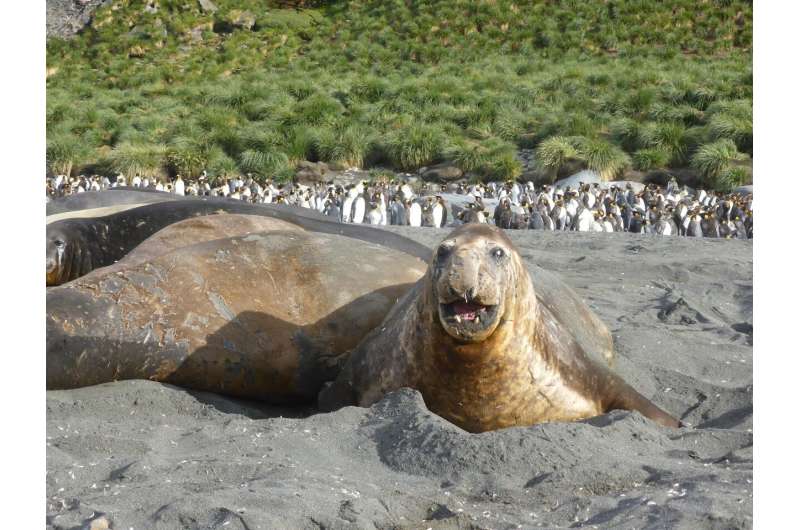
(106, 199)
(198, 230)
(100, 241)
(472, 337)
(264, 316)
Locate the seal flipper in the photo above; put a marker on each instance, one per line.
(625, 397)
(609, 389)
(378, 365)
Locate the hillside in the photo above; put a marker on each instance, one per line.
(253, 86)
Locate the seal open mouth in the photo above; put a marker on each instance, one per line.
(466, 319)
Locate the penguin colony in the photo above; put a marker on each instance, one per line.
(671, 211)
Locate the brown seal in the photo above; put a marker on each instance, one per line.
(484, 354)
(264, 316)
(200, 229)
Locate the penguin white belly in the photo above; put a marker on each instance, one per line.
(585, 222)
(437, 216)
(346, 209)
(562, 217)
(572, 208)
(415, 215)
(359, 210)
(373, 217)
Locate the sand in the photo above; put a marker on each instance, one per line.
(139, 454)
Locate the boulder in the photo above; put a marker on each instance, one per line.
(242, 19)
(208, 6)
(136, 51)
(196, 33)
(622, 184)
(65, 18)
(444, 172)
(311, 171)
(587, 176)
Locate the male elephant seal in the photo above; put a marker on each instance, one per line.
(77, 246)
(264, 316)
(198, 230)
(484, 354)
(73, 205)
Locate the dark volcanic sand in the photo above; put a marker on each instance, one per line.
(148, 455)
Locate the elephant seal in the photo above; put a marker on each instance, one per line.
(484, 354)
(265, 316)
(63, 206)
(77, 246)
(198, 230)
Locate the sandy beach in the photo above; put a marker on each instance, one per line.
(139, 454)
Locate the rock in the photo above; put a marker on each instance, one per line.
(444, 172)
(65, 18)
(136, 51)
(208, 6)
(196, 33)
(151, 7)
(242, 19)
(311, 171)
(587, 176)
(535, 176)
(101, 523)
(636, 186)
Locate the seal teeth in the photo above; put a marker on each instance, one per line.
(477, 320)
(458, 319)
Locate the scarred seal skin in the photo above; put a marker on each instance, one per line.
(76, 246)
(198, 230)
(265, 316)
(483, 352)
(120, 197)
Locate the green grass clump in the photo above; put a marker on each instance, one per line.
(147, 160)
(552, 154)
(605, 158)
(401, 84)
(63, 152)
(415, 146)
(651, 158)
(716, 162)
(347, 146)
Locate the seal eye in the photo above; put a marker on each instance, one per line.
(59, 243)
(498, 252)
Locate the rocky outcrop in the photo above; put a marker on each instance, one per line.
(65, 18)
(208, 6)
(444, 172)
(311, 171)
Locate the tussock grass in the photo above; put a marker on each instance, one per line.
(404, 84)
(716, 162)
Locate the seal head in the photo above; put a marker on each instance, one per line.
(66, 257)
(474, 283)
